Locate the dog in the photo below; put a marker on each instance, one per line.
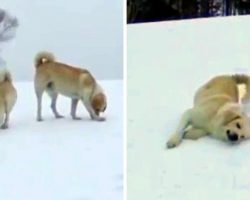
(8, 97)
(76, 83)
(217, 111)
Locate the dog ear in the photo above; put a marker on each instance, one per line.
(229, 116)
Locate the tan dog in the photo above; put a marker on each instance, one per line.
(78, 84)
(8, 97)
(216, 112)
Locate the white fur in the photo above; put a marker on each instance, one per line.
(97, 90)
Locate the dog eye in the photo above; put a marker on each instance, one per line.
(228, 131)
(238, 126)
(242, 136)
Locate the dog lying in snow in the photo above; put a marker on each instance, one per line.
(216, 112)
(76, 83)
(8, 97)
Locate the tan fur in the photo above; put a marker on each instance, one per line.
(8, 97)
(216, 112)
(97, 103)
(59, 78)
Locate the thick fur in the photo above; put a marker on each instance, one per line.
(76, 83)
(8, 97)
(216, 112)
(44, 57)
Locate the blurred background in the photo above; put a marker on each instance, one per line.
(87, 34)
(159, 10)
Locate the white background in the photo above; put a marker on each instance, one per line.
(167, 63)
(79, 32)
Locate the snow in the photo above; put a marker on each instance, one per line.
(167, 62)
(62, 159)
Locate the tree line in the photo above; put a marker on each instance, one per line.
(158, 10)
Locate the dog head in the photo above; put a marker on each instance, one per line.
(233, 126)
(99, 103)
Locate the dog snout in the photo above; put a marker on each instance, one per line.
(232, 136)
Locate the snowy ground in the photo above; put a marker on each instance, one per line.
(167, 62)
(62, 159)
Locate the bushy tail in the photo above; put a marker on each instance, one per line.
(243, 79)
(5, 76)
(43, 57)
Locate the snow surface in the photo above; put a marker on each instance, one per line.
(62, 159)
(167, 62)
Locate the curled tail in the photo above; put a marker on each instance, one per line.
(5, 76)
(245, 80)
(43, 57)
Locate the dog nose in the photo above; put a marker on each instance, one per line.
(232, 137)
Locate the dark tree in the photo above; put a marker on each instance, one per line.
(189, 9)
(8, 25)
(243, 7)
(158, 10)
(150, 11)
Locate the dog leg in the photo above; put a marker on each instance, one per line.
(2, 116)
(39, 106)
(53, 95)
(6, 119)
(5, 125)
(177, 137)
(40, 86)
(53, 106)
(74, 103)
(194, 133)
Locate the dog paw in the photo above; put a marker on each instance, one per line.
(4, 126)
(76, 118)
(59, 116)
(100, 119)
(173, 142)
(39, 119)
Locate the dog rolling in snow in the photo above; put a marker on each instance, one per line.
(8, 97)
(76, 83)
(216, 111)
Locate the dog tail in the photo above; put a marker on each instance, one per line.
(245, 80)
(5, 76)
(43, 57)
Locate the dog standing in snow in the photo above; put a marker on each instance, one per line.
(8, 97)
(216, 111)
(8, 94)
(76, 83)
